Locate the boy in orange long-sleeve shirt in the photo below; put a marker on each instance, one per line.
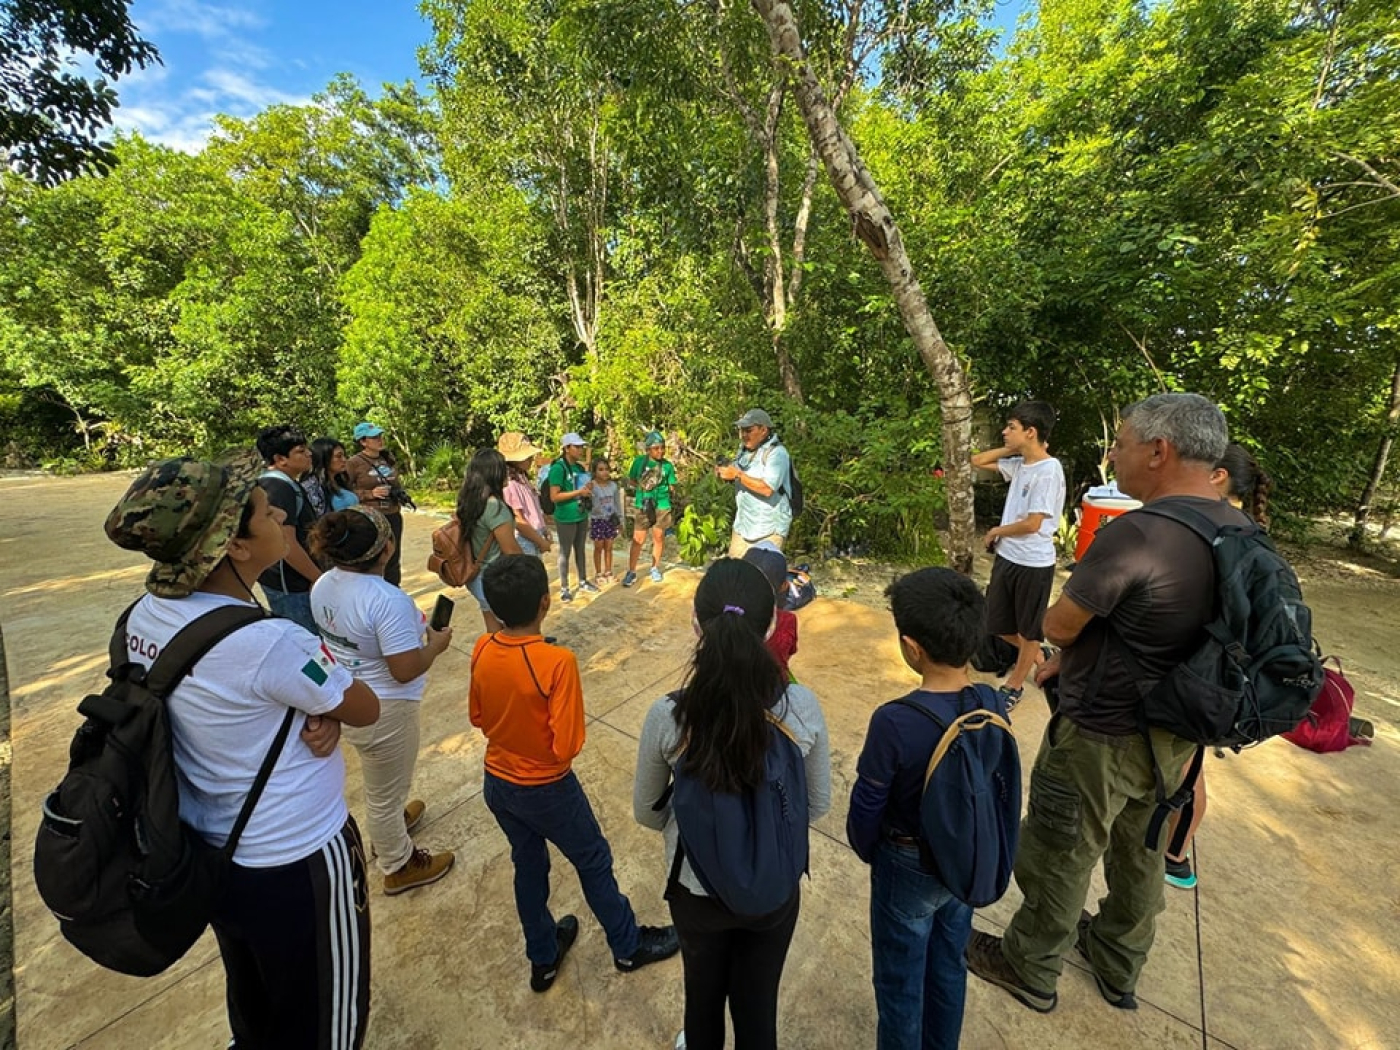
(527, 699)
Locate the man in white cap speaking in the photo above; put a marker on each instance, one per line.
(762, 477)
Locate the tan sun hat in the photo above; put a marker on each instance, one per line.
(516, 447)
(181, 513)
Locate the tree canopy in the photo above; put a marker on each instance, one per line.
(611, 218)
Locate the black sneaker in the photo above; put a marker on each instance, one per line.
(1111, 995)
(984, 958)
(654, 944)
(565, 933)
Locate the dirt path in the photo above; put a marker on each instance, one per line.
(1290, 941)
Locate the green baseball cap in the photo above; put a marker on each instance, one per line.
(181, 513)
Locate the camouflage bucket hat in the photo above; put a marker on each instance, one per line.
(181, 513)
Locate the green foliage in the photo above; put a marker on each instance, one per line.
(52, 111)
(701, 536)
(574, 233)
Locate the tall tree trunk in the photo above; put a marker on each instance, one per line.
(875, 226)
(1357, 539)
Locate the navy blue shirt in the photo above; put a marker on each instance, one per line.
(890, 772)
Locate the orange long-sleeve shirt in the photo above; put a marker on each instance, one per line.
(527, 698)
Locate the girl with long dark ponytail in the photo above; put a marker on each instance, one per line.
(486, 522)
(718, 720)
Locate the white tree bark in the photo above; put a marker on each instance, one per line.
(873, 223)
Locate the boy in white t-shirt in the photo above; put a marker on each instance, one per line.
(1024, 569)
(292, 921)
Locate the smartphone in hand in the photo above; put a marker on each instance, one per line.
(442, 613)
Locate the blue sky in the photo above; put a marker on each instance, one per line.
(239, 56)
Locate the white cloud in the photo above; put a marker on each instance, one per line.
(208, 21)
(211, 67)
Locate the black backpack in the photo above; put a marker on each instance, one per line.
(970, 810)
(134, 887)
(546, 501)
(1256, 671)
(748, 850)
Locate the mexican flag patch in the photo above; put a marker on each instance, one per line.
(318, 669)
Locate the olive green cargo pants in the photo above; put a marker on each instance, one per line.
(1091, 796)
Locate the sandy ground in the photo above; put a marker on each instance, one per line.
(1290, 940)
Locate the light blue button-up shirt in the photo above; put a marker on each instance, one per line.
(755, 516)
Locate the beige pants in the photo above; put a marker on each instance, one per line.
(738, 545)
(388, 752)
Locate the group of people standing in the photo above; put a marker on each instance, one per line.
(293, 927)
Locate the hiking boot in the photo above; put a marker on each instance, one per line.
(413, 813)
(630, 578)
(984, 958)
(565, 933)
(1179, 873)
(421, 869)
(588, 586)
(566, 595)
(654, 943)
(1111, 995)
(655, 575)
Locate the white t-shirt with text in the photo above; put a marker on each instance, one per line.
(224, 716)
(1036, 488)
(364, 618)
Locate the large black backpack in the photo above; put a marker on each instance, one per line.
(970, 809)
(750, 849)
(1256, 671)
(134, 887)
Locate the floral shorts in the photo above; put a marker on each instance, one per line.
(602, 529)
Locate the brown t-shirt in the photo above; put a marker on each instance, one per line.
(1153, 580)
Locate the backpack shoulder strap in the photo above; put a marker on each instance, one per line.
(259, 782)
(116, 648)
(1182, 514)
(193, 641)
(925, 711)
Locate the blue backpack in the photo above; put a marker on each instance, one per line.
(971, 806)
(747, 850)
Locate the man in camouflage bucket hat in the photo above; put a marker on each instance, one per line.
(181, 513)
(292, 921)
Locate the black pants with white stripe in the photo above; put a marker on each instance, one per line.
(295, 945)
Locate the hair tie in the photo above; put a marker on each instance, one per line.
(736, 609)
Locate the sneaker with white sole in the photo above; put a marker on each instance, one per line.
(566, 595)
(421, 869)
(588, 586)
(655, 575)
(630, 578)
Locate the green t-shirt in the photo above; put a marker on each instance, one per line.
(652, 479)
(568, 479)
(492, 518)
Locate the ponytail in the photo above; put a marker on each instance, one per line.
(1248, 482)
(733, 679)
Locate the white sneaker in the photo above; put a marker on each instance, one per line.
(680, 1040)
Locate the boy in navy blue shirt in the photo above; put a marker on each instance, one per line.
(918, 929)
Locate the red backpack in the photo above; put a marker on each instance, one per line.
(1327, 726)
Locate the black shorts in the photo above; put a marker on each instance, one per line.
(1017, 598)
